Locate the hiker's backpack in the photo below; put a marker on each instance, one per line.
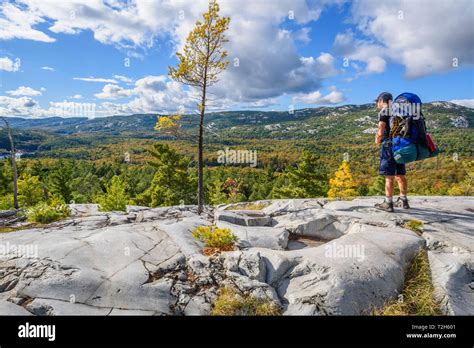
(410, 141)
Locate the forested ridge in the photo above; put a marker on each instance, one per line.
(298, 153)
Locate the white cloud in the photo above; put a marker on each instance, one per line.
(76, 96)
(8, 65)
(303, 35)
(365, 51)
(123, 78)
(95, 79)
(375, 64)
(47, 68)
(23, 106)
(151, 94)
(425, 36)
(26, 91)
(469, 103)
(17, 23)
(317, 98)
(137, 23)
(113, 92)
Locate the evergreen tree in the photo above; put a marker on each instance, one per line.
(308, 179)
(86, 187)
(6, 178)
(115, 199)
(342, 185)
(61, 180)
(378, 186)
(173, 183)
(362, 190)
(30, 190)
(263, 187)
(216, 194)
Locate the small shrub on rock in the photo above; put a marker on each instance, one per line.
(231, 302)
(116, 198)
(46, 212)
(215, 239)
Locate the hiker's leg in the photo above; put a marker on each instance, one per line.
(402, 184)
(389, 187)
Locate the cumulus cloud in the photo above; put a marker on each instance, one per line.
(317, 98)
(9, 65)
(47, 68)
(151, 94)
(113, 92)
(16, 22)
(23, 106)
(263, 66)
(375, 64)
(26, 91)
(303, 35)
(425, 36)
(347, 46)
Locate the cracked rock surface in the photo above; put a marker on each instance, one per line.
(350, 258)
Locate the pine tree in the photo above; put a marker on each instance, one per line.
(30, 190)
(308, 179)
(216, 192)
(6, 178)
(199, 65)
(172, 183)
(61, 179)
(342, 185)
(13, 162)
(115, 199)
(378, 186)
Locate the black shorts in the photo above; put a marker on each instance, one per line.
(388, 166)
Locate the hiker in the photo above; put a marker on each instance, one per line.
(388, 167)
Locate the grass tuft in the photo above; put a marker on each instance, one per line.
(231, 303)
(249, 206)
(414, 225)
(416, 297)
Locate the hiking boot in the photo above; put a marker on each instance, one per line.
(385, 206)
(402, 203)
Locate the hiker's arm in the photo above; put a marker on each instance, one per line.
(380, 131)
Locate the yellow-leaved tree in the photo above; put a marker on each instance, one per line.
(342, 185)
(168, 125)
(202, 60)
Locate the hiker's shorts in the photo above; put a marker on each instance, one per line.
(388, 166)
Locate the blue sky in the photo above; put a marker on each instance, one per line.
(290, 54)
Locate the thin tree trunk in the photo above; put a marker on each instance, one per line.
(14, 169)
(200, 153)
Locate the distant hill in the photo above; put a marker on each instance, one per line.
(333, 128)
(438, 115)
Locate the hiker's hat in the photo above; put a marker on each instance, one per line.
(385, 96)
